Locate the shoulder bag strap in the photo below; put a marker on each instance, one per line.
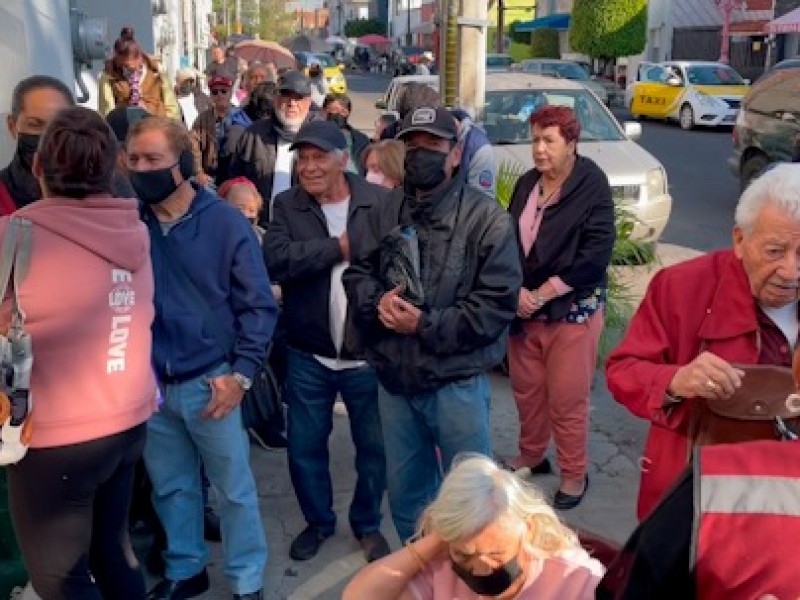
(185, 282)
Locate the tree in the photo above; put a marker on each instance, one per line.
(359, 27)
(545, 43)
(522, 37)
(608, 29)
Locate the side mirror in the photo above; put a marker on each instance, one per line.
(674, 81)
(381, 105)
(633, 130)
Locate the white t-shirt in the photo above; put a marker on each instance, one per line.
(282, 177)
(786, 319)
(336, 217)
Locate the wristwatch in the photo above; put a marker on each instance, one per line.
(243, 381)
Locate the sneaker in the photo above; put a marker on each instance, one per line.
(374, 546)
(307, 544)
(268, 439)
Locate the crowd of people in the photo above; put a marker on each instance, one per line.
(185, 247)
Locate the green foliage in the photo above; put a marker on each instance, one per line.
(609, 28)
(627, 252)
(545, 44)
(359, 27)
(523, 37)
(519, 51)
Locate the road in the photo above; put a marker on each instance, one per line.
(703, 189)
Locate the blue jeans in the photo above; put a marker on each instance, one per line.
(454, 418)
(178, 438)
(311, 390)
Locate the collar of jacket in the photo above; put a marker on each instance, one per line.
(359, 191)
(732, 312)
(436, 207)
(203, 198)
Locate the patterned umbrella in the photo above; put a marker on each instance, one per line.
(264, 51)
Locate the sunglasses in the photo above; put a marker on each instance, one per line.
(218, 92)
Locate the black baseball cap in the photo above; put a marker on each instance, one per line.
(325, 135)
(121, 118)
(436, 121)
(294, 82)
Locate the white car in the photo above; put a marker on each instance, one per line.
(690, 92)
(565, 69)
(638, 180)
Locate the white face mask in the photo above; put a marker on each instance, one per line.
(376, 177)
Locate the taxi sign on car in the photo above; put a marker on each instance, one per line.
(692, 93)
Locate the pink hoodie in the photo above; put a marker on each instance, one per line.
(88, 300)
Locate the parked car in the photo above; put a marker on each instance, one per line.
(767, 129)
(332, 70)
(389, 101)
(638, 180)
(565, 69)
(690, 92)
(789, 63)
(498, 62)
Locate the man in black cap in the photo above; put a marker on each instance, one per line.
(263, 153)
(431, 348)
(316, 227)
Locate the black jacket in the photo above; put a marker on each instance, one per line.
(576, 236)
(300, 254)
(471, 278)
(360, 143)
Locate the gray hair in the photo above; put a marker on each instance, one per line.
(780, 186)
(477, 493)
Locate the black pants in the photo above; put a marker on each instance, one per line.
(69, 506)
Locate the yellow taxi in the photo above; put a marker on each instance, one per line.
(331, 70)
(693, 93)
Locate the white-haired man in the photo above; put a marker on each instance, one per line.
(702, 317)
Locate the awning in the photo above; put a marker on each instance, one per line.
(788, 23)
(748, 28)
(424, 29)
(558, 21)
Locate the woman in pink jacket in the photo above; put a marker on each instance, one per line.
(88, 301)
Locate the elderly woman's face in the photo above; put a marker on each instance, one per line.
(490, 563)
(551, 152)
(770, 255)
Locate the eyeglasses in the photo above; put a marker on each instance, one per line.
(219, 92)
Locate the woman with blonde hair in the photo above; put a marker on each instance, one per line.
(384, 163)
(487, 534)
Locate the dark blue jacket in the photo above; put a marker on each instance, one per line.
(219, 251)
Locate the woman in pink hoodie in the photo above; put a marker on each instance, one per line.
(88, 301)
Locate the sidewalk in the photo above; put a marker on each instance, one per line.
(615, 442)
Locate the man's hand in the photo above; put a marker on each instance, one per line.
(226, 394)
(344, 246)
(527, 303)
(707, 376)
(398, 314)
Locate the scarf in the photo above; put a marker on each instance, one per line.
(135, 82)
(20, 182)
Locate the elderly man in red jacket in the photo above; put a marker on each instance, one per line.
(701, 317)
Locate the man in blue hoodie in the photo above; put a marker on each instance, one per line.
(215, 315)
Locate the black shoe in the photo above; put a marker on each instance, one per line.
(251, 596)
(563, 501)
(211, 530)
(307, 544)
(268, 438)
(374, 546)
(178, 590)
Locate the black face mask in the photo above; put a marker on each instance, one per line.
(425, 169)
(27, 145)
(153, 187)
(339, 120)
(493, 584)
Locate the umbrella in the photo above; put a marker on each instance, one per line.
(373, 39)
(264, 51)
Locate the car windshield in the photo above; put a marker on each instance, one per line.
(713, 75)
(507, 112)
(566, 70)
(325, 60)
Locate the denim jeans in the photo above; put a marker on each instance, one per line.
(178, 438)
(454, 418)
(311, 390)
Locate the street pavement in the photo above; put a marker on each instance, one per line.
(704, 193)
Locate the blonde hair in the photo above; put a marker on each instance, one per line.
(391, 155)
(477, 493)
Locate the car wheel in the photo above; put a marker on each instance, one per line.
(686, 117)
(752, 168)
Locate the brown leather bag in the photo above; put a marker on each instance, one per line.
(768, 392)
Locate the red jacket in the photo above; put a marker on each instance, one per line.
(701, 304)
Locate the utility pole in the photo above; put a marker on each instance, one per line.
(226, 19)
(727, 7)
(501, 26)
(472, 23)
(340, 20)
(408, 22)
(239, 17)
